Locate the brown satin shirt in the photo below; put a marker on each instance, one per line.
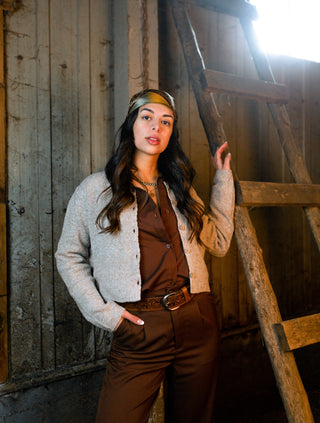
(163, 264)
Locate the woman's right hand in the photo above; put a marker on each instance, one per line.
(134, 319)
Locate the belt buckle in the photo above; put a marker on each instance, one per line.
(165, 304)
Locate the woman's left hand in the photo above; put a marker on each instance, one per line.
(217, 161)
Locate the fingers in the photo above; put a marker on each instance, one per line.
(134, 319)
(217, 161)
(227, 160)
(222, 147)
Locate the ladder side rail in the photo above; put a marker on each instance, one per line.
(287, 376)
(281, 120)
(291, 388)
(208, 111)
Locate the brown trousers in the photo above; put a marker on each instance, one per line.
(180, 346)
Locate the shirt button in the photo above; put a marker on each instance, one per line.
(182, 227)
(166, 211)
(168, 245)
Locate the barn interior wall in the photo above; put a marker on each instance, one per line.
(60, 111)
(289, 250)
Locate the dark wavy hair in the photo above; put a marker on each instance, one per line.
(173, 165)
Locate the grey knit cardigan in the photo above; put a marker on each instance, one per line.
(101, 269)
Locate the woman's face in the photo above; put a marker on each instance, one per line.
(152, 129)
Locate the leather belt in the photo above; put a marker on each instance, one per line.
(171, 301)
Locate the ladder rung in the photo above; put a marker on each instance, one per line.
(238, 8)
(298, 333)
(259, 194)
(235, 85)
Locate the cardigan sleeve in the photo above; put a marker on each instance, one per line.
(218, 223)
(73, 264)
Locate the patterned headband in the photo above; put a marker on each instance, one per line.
(146, 97)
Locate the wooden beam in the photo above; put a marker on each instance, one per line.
(259, 194)
(234, 85)
(298, 333)
(235, 8)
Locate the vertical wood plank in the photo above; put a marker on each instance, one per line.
(129, 54)
(3, 339)
(69, 27)
(43, 187)
(101, 82)
(2, 115)
(3, 295)
(101, 117)
(23, 184)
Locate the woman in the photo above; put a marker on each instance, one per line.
(132, 256)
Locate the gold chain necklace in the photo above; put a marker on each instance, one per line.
(150, 184)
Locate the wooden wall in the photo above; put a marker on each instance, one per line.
(289, 251)
(60, 129)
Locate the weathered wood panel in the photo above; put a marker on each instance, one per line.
(4, 365)
(60, 79)
(70, 109)
(2, 115)
(24, 200)
(3, 296)
(60, 129)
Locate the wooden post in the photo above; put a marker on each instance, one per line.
(3, 238)
(135, 51)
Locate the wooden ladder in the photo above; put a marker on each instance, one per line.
(281, 337)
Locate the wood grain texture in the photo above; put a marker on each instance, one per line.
(237, 86)
(3, 153)
(60, 126)
(250, 193)
(297, 333)
(4, 365)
